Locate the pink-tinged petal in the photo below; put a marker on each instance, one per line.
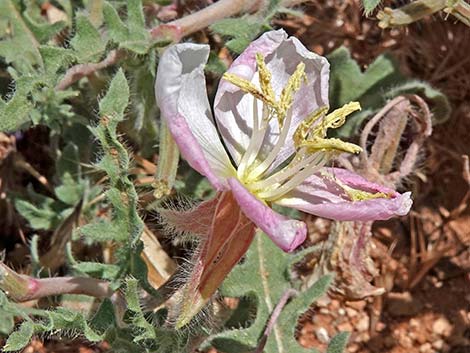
(311, 96)
(322, 195)
(234, 109)
(286, 233)
(180, 90)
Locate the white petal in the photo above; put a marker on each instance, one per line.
(181, 94)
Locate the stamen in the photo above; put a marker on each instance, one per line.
(272, 195)
(335, 119)
(281, 176)
(248, 87)
(331, 144)
(361, 195)
(255, 142)
(288, 92)
(314, 137)
(305, 126)
(263, 166)
(265, 78)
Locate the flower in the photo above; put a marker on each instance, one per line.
(271, 116)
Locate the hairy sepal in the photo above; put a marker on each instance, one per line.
(227, 239)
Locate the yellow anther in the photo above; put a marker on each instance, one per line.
(305, 126)
(361, 195)
(311, 133)
(248, 87)
(335, 119)
(265, 78)
(331, 144)
(288, 92)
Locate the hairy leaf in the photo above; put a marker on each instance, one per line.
(263, 277)
(131, 35)
(373, 87)
(370, 6)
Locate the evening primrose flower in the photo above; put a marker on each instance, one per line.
(268, 144)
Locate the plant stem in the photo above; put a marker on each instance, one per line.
(22, 288)
(289, 293)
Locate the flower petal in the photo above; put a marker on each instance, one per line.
(234, 109)
(286, 233)
(321, 195)
(180, 91)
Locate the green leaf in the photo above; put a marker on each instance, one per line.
(15, 112)
(20, 338)
(42, 30)
(19, 46)
(68, 172)
(372, 88)
(263, 277)
(241, 31)
(141, 125)
(338, 343)
(370, 5)
(133, 35)
(103, 231)
(45, 215)
(146, 330)
(215, 65)
(439, 103)
(55, 59)
(7, 323)
(348, 82)
(116, 99)
(87, 42)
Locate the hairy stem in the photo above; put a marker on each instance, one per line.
(289, 293)
(22, 288)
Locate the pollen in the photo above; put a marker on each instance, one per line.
(287, 95)
(248, 87)
(311, 133)
(265, 78)
(361, 195)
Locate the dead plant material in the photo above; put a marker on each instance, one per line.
(384, 164)
(328, 25)
(437, 52)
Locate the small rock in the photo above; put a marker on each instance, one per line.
(420, 337)
(438, 345)
(353, 348)
(442, 327)
(425, 348)
(341, 311)
(335, 305)
(324, 311)
(322, 335)
(323, 301)
(405, 341)
(344, 326)
(351, 312)
(358, 305)
(380, 326)
(362, 337)
(414, 323)
(363, 324)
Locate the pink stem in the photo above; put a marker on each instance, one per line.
(22, 288)
(289, 293)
